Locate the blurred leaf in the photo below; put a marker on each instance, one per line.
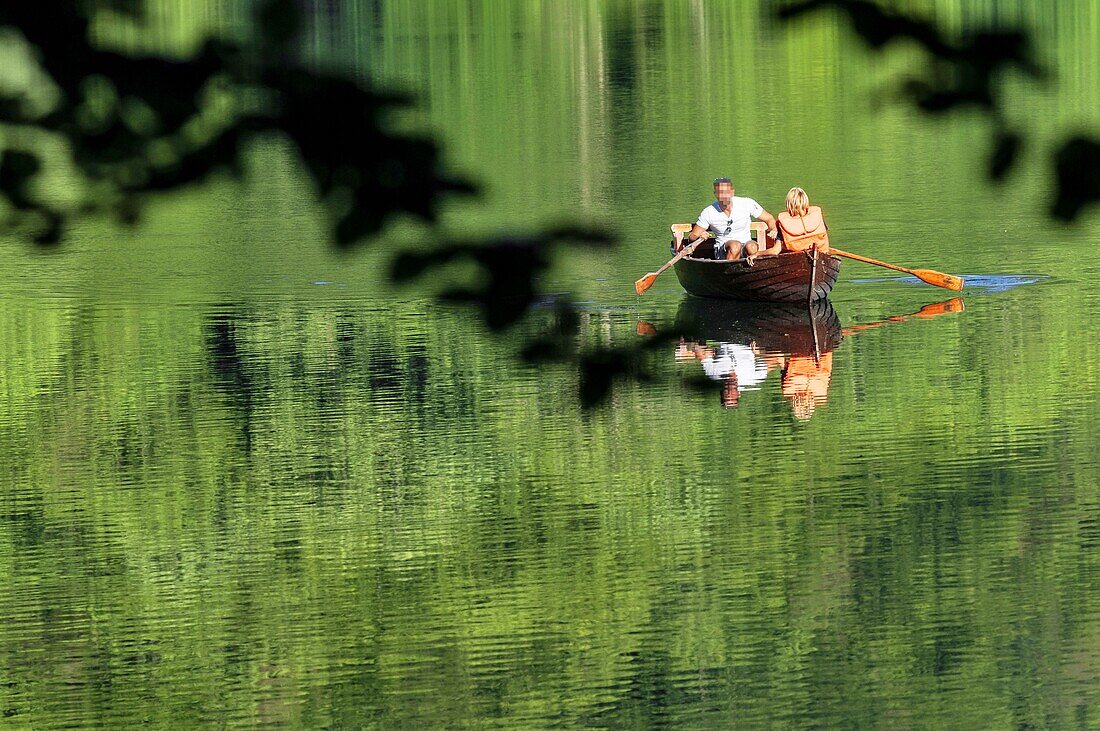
(17, 167)
(1077, 173)
(1006, 150)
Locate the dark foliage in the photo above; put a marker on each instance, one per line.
(507, 291)
(963, 72)
(599, 368)
(967, 72)
(1077, 166)
(1006, 148)
(509, 270)
(140, 125)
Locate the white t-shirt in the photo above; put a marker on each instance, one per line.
(742, 211)
(739, 359)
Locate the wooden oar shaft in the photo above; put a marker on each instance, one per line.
(682, 253)
(868, 260)
(929, 276)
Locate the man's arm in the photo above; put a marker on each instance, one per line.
(776, 245)
(697, 232)
(768, 219)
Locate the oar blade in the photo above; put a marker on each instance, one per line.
(645, 283)
(941, 308)
(939, 279)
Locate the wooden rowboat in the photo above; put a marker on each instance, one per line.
(788, 277)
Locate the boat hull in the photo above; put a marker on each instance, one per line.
(787, 277)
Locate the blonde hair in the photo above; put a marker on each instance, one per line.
(803, 405)
(798, 203)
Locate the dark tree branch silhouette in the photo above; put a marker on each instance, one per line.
(967, 72)
(142, 126)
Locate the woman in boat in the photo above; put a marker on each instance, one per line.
(802, 226)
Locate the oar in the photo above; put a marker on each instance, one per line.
(647, 281)
(931, 276)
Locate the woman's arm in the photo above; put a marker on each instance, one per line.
(768, 219)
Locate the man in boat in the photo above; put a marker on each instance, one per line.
(728, 218)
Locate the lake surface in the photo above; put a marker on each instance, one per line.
(247, 482)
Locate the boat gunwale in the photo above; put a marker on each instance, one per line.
(759, 258)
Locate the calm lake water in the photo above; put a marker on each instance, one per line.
(246, 482)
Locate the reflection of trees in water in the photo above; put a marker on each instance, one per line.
(357, 368)
(233, 375)
(258, 360)
(460, 541)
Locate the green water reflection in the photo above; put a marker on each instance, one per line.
(245, 483)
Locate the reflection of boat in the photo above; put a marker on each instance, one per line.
(781, 278)
(739, 343)
(793, 329)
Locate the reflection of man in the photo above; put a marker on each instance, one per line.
(729, 218)
(731, 392)
(737, 359)
(735, 366)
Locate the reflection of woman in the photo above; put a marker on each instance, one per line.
(806, 382)
(802, 226)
